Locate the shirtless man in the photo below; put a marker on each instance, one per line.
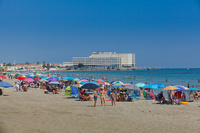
(95, 96)
(113, 97)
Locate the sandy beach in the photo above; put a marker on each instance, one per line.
(36, 112)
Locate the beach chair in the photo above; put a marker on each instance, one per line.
(134, 96)
(136, 93)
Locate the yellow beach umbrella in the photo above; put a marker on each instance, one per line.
(170, 88)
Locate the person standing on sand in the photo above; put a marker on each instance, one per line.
(95, 97)
(102, 96)
(113, 97)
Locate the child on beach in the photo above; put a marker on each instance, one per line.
(95, 96)
(113, 97)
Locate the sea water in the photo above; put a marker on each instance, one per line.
(174, 76)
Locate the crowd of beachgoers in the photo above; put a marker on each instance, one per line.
(87, 89)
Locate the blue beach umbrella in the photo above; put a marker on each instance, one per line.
(53, 77)
(43, 78)
(90, 85)
(159, 85)
(116, 86)
(68, 78)
(5, 84)
(151, 86)
(193, 89)
(30, 77)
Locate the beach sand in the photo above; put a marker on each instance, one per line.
(36, 112)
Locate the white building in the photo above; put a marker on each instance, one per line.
(69, 64)
(106, 59)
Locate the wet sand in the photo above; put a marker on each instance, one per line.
(36, 112)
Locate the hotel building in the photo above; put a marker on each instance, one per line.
(106, 59)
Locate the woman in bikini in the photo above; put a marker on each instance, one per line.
(102, 97)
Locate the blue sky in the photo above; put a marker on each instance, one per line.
(162, 33)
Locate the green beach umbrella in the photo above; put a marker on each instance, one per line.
(140, 85)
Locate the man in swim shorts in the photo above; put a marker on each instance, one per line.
(95, 96)
(113, 97)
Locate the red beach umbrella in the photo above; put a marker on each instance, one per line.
(37, 78)
(2, 76)
(28, 80)
(20, 78)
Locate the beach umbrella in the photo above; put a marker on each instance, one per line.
(30, 77)
(38, 75)
(150, 86)
(17, 74)
(101, 83)
(159, 85)
(125, 84)
(43, 80)
(2, 76)
(181, 88)
(140, 84)
(5, 84)
(21, 78)
(37, 78)
(116, 86)
(28, 80)
(117, 83)
(98, 80)
(68, 78)
(76, 79)
(170, 88)
(52, 79)
(90, 85)
(82, 82)
(193, 89)
(54, 83)
(131, 87)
